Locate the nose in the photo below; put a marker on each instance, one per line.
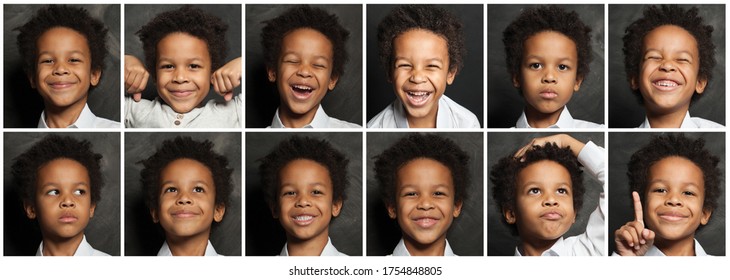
(667, 66)
(183, 199)
(550, 201)
(60, 69)
(425, 203)
(303, 201)
(180, 76)
(549, 77)
(68, 202)
(417, 76)
(674, 200)
(304, 71)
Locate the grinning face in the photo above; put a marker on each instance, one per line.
(668, 75)
(183, 71)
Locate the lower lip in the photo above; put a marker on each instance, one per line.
(548, 95)
(664, 88)
(184, 215)
(426, 222)
(181, 94)
(68, 219)
(303, 222)
(671, 218)
(552, 216)
(301, 95)
(61, 86)
(418, 100)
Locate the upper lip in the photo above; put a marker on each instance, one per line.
(302, 85)
(60, 82)
(550, 213)
(184, 213)
(666, 79)
(548, 90)
(410, 90)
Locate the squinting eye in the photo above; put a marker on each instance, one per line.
(195, 66)
(288, 193)
(46, 61)
(659, 190)
(167, 66)
(439, 193)
(535, 66)
(689, 193)
(409, 194)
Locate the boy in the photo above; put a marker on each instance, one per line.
(423, 180)
(548, 52)
(422, 48)
(63, 51)
(305, 181)
(187, 186)
(182, 47)
(60, 183)
(540, 189)
(305, 55)
(669, 56)
(675, 183)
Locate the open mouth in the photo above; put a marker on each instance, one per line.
(665, 85)
(418, 98)
(303, 220)
(302, 91)
(426, 222)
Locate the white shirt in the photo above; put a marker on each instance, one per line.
(401, 250)
(450, 115)
(86, 119)
(688, 123)
(655, 252)
(157, 114)
(329, 250)
(84, 249)
(565, 120)
(209, 251)
(320, 120)
(591, 242)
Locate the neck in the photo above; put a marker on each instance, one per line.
(63, 117)
(189, 245)
(310, 247)
(537, 119)
(535, 247)
(427, 121)
(61, 246)
(437, 248)
(666, 120)
(682, 247)
(294, 120)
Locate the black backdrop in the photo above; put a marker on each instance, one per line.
(468, 87)
(505, 103)
(22, 236)
(262, 98)
(23, 105)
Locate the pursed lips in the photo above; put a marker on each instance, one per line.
(67, 217)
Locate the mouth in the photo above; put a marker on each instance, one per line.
(61, 85)
(302, 91)
(184, 214)
(551, 216)
(68, 218)
(672, 216)
(426, 222)
(548, 94)
(665, 84)
(181, 93)
(303, 220)
(418, 98)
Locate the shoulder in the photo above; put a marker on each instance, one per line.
(337, 123)
(586, 124)
(464, 117)
(105, 123)
(704, 123)
(381, 119)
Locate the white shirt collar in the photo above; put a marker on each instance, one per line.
(654, 251)
(329, 250)
(84, 249)
(209, 250)
(320, 120)
(85, 120)
(565, 120)
(686, 122)
(558, 249)
(442, 117)
(401, 250)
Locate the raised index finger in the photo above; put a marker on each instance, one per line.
(638, 211)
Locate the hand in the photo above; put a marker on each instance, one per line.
(226, 78)
(561, 140)
(135, 77)
(633, 239)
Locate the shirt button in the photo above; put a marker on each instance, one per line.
(177, 122)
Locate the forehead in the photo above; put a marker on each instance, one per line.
(422, 40)
(543, 171)
(185, 167)
(306, 39)
(63, 38)
(424, 171)
(676, 167)
(670, 37)
(550, 42)
(180, 43)
(304, 169)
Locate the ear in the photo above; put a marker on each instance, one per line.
(451, 76)
(578, 82)
(457, 209)
(515, 81)
(634, 84)
(700, 86)
(509, 216)
(32, 81)
(219, 212)
(274, 211)
(272, 74)
(91, 210)
(706, 214)
(391, 211)
(29, 210)
(155, 218)
(333, 82)
(95, 77)
(336, 207)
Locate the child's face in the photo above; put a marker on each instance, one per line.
(62, 200)
(544, 205)
(425, 205)
(183, 71)
(421, 71)
(63, 68)
(548, 72)
(675, 196)
(187, 206)
(304, 70)
(306, 201)
(668, 72)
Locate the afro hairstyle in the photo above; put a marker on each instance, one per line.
(304, 16)
(294, 148)
(52, 16)
(184, 147)
(427, 17)
(420, 146)
(189, 20)
(51, 147)
(675, 145)
(668, 15)
(504, 176)
(546, 18)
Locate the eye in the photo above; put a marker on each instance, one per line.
(317, 192)
(439, 193)
(563, 67)
(659, 190)
(533, 191)
(74, 60)
(535, 66)
(195, 66)
(167, 66)
(563, 191)
(46, 61)
(198, 189)
(320, 66)
(653, 57)
(410, 194)
(683, 60)
(290, 61)
(434, 66)
(688, 193)
(79, 192)
(289, 193)
(403, 65)
(170, 190)
(53, 192)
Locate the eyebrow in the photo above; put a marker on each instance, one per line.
(428, 59)
(540, 57)
(656, 50)
(173, 182)
(52, 52)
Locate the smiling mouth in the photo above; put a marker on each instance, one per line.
(418, 98)
(181, 93)
(303, 220)
(302, 91)
(671, 217)
(426, 222)
(665, 85)
(184, 214)
(63, 85)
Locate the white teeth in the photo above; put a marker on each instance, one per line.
(418, 93)
(665, 83)
(299, 87)
(303, 218)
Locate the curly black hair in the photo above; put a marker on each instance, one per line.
(427, 17)
(304, 16)
(675, 145)
(417, 146)
(184, 147)
(668, 15)
(504, 176)
(190, 20)
(51, 147)
(546, 18)
(52, 16)
(295, 148)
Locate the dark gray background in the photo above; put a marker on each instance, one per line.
(500, 144)
(137, 15)
(264, 234)
(466, 235)
(23, 105)
(262, 98)
(22, 236)
(621, 209)
(624, 109)
(505, 102)
(468, 87)
(142, 236)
